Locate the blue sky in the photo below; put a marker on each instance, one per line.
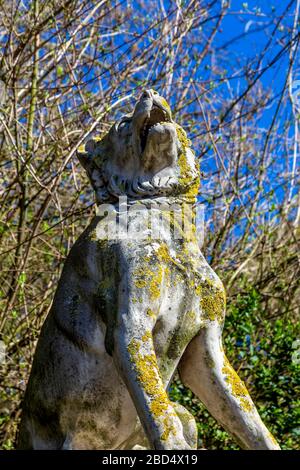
(248, 30)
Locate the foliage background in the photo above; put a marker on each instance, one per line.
(231, 73)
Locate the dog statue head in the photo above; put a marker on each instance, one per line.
(144, 155)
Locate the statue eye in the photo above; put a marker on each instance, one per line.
(122, 124)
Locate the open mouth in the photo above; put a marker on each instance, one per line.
(157, 116)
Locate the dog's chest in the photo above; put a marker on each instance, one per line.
(179, 317)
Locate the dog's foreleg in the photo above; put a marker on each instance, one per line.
(205, 369)
(136, 360)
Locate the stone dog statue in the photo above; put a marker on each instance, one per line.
(130, 311)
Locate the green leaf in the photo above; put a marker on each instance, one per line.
(59, 71)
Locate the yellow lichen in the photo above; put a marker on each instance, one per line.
(213, 305)
(155, 284)
(238, 388)
(140, 283)
(186, 175)
(93, 236)
(163, 253)
(150, 313)
(270, 435)
(165, 105)
(148, 375)
(150, 279)
(98, 138)
(191, 315)
(245, 404)
(147, 336)
(182, 137)
(81, 149)
(159, 405)
(198, 290)
(212, 299)
(133, 347)
(193, 189)
(169, 428)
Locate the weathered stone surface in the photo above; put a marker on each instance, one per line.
(130, 310)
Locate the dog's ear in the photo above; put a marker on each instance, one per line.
(86, 154)
(92, 156)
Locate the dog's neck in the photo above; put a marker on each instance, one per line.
(149, 202)
(158, 190)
